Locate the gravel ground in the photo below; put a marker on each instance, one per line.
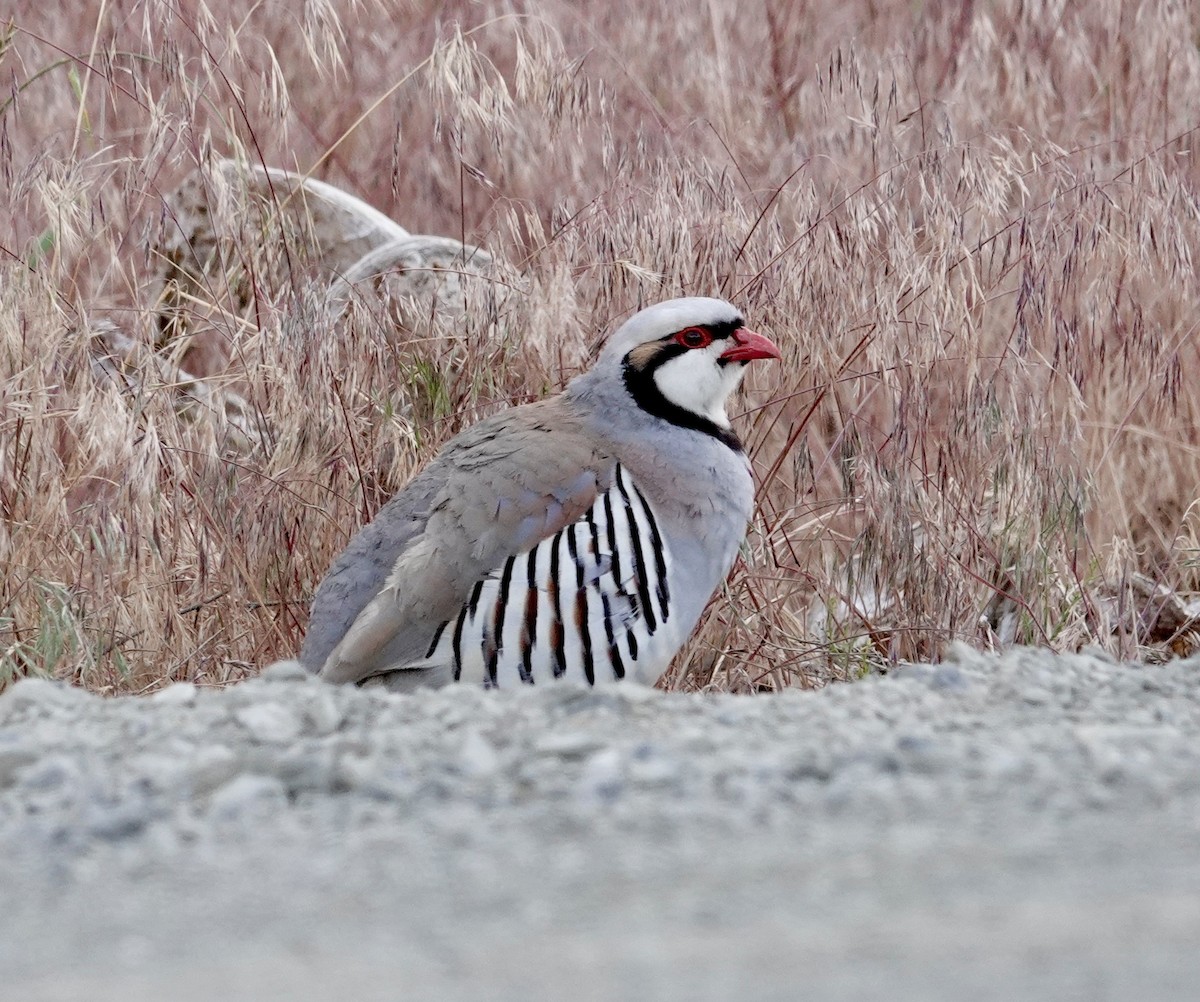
(992, 828)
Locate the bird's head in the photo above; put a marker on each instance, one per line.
(680, 360)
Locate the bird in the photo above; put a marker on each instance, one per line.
(578, 537)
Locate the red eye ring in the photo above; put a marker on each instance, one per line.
(693, 337)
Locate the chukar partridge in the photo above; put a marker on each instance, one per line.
(579, 537)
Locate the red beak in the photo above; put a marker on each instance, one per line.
(748, 345)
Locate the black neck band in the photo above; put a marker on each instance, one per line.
(645, 391)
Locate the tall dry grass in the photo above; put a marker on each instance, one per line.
(970, 227)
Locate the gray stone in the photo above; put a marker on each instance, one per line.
(15, 755)
(211, 766)
(285, 672)
(322, 714)
(270, 723)
(250, 796)
(28, 694)
(477, 757)
(179, 694)
(115, 822)
(567, 743)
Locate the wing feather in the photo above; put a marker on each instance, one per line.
(493, 492)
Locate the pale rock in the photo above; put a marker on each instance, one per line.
(270, 723)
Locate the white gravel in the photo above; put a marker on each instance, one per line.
(992, 828)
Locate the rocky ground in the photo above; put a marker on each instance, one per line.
(991, 828)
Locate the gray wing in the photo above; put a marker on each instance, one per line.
(494, 491)
(359, 571)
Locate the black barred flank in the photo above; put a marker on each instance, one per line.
(612, 605)
(614, 654)
(491, 655)
(458, 635)
(585, 636)
(581, 607)
(590, 519)
(573, 550)
(611, 536)
(530, 622)
(494, 644)
(660, 561)
(557, 642)
(473, 602)
(437, 638)
(557, 639)
(619, 578)
(641, 571)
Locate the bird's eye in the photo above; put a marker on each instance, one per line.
(693, 337)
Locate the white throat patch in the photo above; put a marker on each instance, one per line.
(697, 383)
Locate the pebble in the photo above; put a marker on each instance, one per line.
(286, 671)
(248, 796)
(179, 694)
(603, 775)
(15, 754)
(115, 822)
(272, 723)
(477, 757)
(41, 695)
(322, 714)
(210, 766)
(567, 744)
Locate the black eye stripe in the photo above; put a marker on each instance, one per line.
(718, 331)
(725, 329)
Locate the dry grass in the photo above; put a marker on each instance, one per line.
(970, 227)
